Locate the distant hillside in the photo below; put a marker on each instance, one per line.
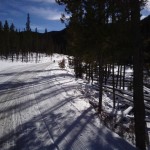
(54, 41)
(57, 39)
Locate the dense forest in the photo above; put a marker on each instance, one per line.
(15, 42)
(105, 34)
(99, 36)
(24, 43)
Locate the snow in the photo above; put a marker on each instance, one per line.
(44, 107)
(5, 64)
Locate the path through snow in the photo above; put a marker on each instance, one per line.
(41, 108)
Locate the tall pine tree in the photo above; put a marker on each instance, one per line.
(28, 23)
(139, 107)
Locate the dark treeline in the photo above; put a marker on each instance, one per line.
(23, 43)
(15, 42)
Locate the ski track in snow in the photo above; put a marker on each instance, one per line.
(41, 108)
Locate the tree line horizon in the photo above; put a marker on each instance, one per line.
(15, 42)
(26, 28)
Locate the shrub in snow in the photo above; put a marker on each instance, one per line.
(62, 63)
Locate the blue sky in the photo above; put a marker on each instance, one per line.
(43, 13)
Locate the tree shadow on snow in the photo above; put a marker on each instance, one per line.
(46, 119)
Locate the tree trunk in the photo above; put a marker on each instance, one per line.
(120, 76)
(89, 72)
(100, 83)
(106, 74)
(139, 108)
(86, 72)
(124, 72)
(92, 72)
(117, 76)
(113, 84)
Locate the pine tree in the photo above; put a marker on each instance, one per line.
(139, 107)
(45, 30)
(12, 41)
(6, 39)
(12, 27)
(1, 26)
(6, 26)
(36, 30)
(28, 23)
(112, 28)
(85, 30)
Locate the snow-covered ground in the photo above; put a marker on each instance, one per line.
(44, 107)
(5, 64)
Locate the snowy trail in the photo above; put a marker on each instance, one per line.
(41, 109)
